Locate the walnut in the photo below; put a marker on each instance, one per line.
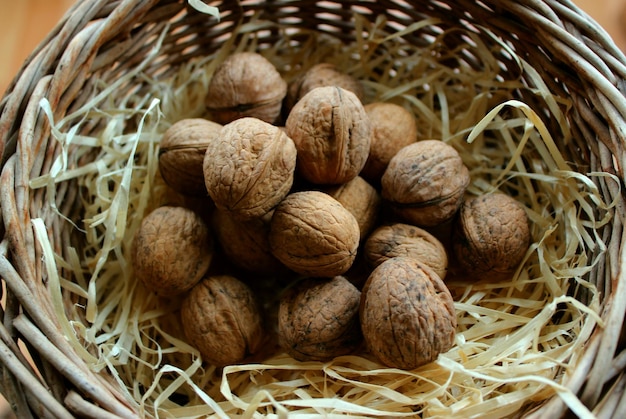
(172, 250)
(320, 75)
(393, 127)
(250, 169)
(425, 182)
(332, 134)
(407, 314)
(399, 239)
(246, 243)
(222, 319)
(246, 84)
(313, 234)
(491, 236)
(318, 319)
(361, 199)
(182, 151)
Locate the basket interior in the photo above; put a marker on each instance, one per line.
(100, 70)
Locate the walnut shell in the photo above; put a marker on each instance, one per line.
(250, 169)
(399, 239)
(318, 319)
(181, 154)
(332, 134)
(320, 75)
(407, 314)
(172, 250)
(313, 234)
(393, 127)
(246, 84)
(222, 319)
(246, 243)
(425, 182)
(491, 236)
(362, 200)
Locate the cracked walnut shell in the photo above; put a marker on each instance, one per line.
(491, 236)
(407, 314)
(313, 234)
(425, 182)
(250, 168)
(222, 319)
(318, 319)
(172, 250)
(332, 134)
(246, 84)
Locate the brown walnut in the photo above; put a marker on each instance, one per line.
(361, 199)
(313, 234)
(222, 319)
(399, 239)
(393, 127)
(250, 168)
(491, 236)
(172, 250)
(320, 75)
(332, 134)
(407, 314)
(182, 151)
(318, 319)
(246, 84)
(425, 182)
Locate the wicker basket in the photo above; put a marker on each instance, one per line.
(103, 39)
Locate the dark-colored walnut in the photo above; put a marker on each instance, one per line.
(318, 319)
(407, 314)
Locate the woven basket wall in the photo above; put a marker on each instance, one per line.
(101, 39)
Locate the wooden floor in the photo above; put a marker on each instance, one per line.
(25, 23)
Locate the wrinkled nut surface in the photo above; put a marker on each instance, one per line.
(362, 200)
(491, 236)
(393, 127)
(321, 75)
(425, 182)
(407, 314)
(221, 318)
(181, 154)
(400, 239)
(318, 319)
(172, 250)
(246, 84)
(246, 243)
(313, 234)
(250, 168)
(332, 134)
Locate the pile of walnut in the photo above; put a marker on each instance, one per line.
(342, 205)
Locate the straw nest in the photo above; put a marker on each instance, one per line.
(530, 93)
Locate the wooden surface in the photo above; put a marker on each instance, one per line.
(25, 24)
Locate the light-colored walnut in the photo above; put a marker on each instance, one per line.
(407, 314)
(246, 84)
(222, 319)
(318, 319)
(491, 236)
(400, 239)
(393, 127)
(172, 250)
(313, 234)
(362, 200)
(321, 75)
(425, 182)
(332, 134)
(250, 169)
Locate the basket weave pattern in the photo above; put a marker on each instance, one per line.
(101, 40)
